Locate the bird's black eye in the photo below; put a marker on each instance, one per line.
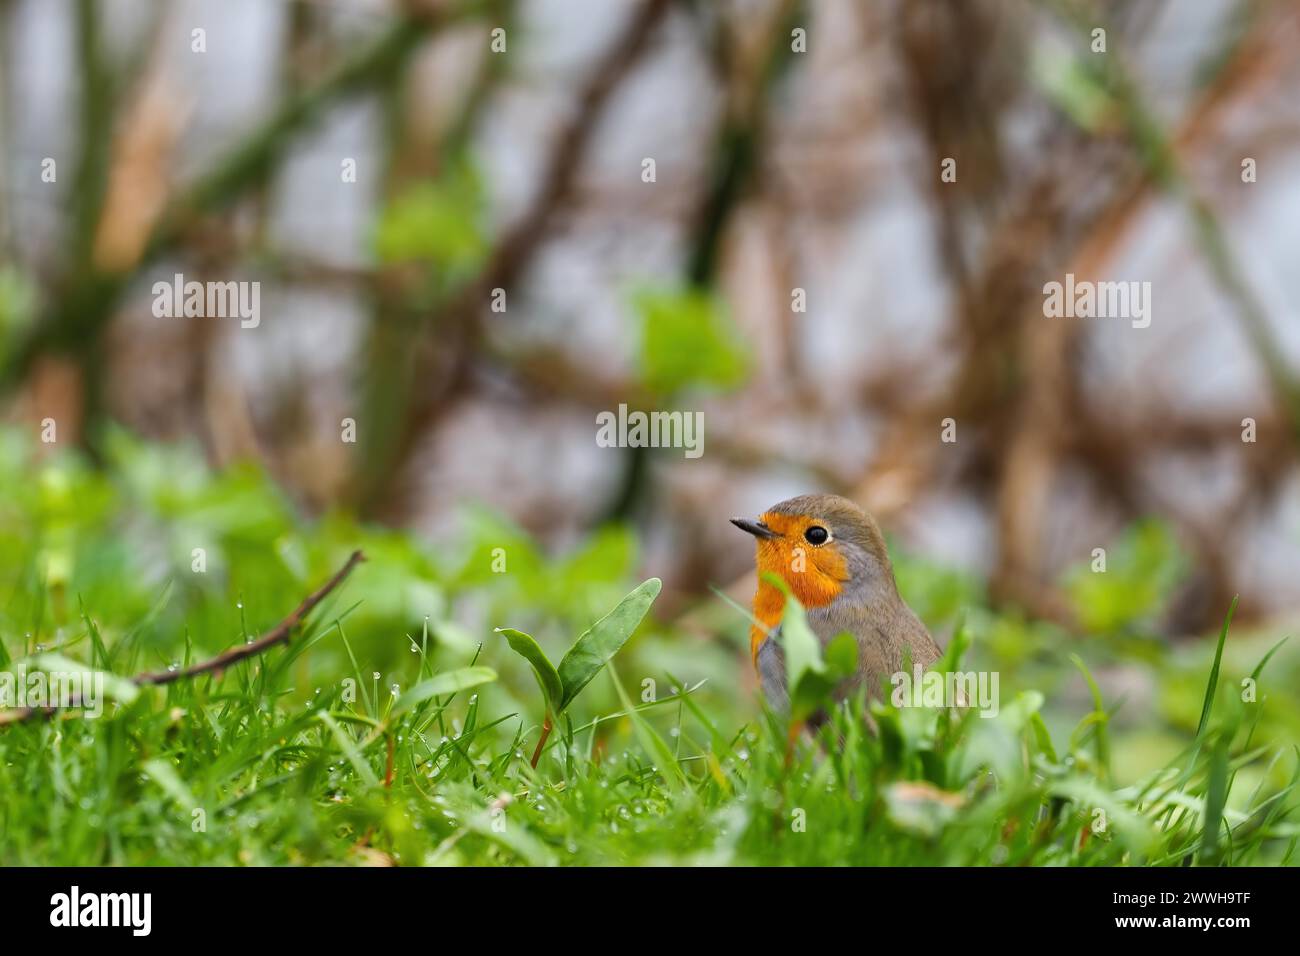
(816, 534)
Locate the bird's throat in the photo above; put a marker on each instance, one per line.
(810, 588)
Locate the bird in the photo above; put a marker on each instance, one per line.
(832, 556)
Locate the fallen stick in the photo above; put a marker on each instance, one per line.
(276, 635)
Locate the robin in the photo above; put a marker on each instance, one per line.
(832, 556)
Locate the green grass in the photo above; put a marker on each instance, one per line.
(368, 739)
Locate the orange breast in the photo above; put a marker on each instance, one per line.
(769, 603)
(815, 577)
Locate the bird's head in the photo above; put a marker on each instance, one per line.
(824, 547)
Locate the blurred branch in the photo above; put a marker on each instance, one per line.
(1016, 391)
(6, 220)
(1163, 166)
(514, 253)
(89, 186)
(1010, 391)
(1258, 53)
(96, 114)
(957, 94)
(76, 323)
(459, 321)
(1252, 315)
(396, 349)
(734, 162)
(253, 161)
(739, 144)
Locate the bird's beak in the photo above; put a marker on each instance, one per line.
(756, 528)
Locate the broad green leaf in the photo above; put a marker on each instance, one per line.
(603, 640)
(547, 677)
(802, 651)
(449, 682)
(807, 676)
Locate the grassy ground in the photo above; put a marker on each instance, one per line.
(398, 725)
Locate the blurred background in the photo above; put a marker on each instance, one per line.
(734, 208)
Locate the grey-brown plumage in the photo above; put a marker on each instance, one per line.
(846, 583)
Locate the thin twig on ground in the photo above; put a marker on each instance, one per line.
(277, 635)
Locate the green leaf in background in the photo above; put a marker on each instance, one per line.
(602, 640)
(606, 559)
(997, 743)
(1142, 570)
(935, 592)
(1074, 88)
(17, 307)
(439, 223)
(688, 340)
(449, 682)
(488, 533)
(575, 587)
(547, 677)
